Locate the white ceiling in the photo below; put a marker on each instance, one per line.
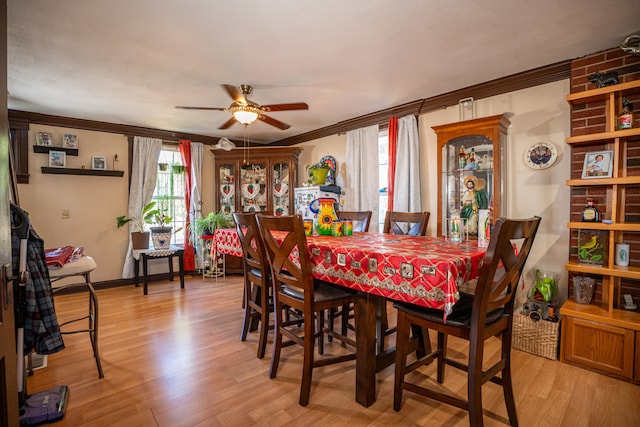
(133, 61)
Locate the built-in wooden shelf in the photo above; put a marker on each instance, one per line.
(43, 149)
(71, 171)
(616, 226)
(628, 319)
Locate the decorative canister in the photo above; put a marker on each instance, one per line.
(336, 228)
(347, 227)
(308, 227)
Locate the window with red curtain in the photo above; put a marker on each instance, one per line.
(189, 254)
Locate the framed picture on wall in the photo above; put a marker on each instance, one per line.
(598, 164)
(70, 141)
(44, 138)
(57, 159)
(99, 162)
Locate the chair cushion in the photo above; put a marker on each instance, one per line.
(461, 315)
(323, 291)
(256, 272)
(80, 266)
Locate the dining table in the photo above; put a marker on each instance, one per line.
(422, 270)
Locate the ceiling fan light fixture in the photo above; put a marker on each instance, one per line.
(245, 114)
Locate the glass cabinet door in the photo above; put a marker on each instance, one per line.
(227, 188)
(281, 188)
(253, 187)
(468, 178)
(471, 190)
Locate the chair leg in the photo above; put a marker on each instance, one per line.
(474, 383)
(507, 384)
(442, 354)
(320, 325)
(93, 326)
(264, 322)
(402, 348)
(331, 315)
(307, 362)
(247, 311)
(346, 309)
(277, 341)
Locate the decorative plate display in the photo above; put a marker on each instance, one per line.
(280, 189)
(227, 190)
(250, 191)
(540, 155)
(331, 161)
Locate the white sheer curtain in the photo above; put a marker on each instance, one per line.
(363, 192)
(144, 172)
(407, 181)
(195, 210)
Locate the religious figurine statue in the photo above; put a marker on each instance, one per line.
(474, 198)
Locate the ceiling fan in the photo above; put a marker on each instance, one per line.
(246, 112)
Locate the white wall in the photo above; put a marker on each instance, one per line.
(539, 114)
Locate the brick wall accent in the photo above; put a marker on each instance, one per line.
(590, 118)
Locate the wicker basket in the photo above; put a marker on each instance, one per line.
(539, 338)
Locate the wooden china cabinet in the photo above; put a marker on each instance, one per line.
(471, 155)
(257, 179)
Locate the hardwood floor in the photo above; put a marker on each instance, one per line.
(174, 358)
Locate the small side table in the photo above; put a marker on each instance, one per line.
(169, 253)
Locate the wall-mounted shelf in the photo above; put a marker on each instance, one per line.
(45, 149)
(70, 171)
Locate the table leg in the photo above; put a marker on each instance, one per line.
(365, 312)
(136, 270)
(144, 273)
(181, 268)
(170, 257)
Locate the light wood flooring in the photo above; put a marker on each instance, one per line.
(174, 358)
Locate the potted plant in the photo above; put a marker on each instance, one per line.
(209, 224)
(139, 237)
(161, 231)
(318, 173)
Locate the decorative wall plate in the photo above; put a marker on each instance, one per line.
(540, 155)
(331, 161)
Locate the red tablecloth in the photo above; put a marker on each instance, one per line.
(421, 270)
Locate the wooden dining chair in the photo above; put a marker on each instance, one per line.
(361, 219)
(410, 223)
(396, 222)
(257, 280)
(475, 318)
(295, 288)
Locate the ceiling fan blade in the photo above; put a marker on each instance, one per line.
(273, 122)
(235, 93)
(201, 108)
(285, 107)
(228, 123)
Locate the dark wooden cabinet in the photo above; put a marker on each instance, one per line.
(255, 180)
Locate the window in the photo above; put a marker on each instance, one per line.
(169, 192)
(383, 175)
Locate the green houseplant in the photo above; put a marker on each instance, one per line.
(140, 237)
(209, 224)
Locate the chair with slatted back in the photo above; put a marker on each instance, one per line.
(295, 287)
(396, 222)
(486, 314)
(257, 279)
(410, 223)
(361, 219)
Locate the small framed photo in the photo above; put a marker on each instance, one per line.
(44, 138)
(57, 159)
(99, 162)
(598, 164)
(70, 141)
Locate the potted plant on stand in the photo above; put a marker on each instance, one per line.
(161, 232)
(139, 237)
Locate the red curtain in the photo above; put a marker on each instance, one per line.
(185, 151)
(393, 146)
